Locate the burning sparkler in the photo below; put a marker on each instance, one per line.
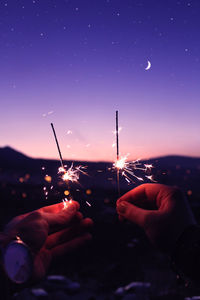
(72, 173)
(54, 132)
(117, 146)
(128, 169)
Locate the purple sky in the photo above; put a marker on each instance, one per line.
(75, 62)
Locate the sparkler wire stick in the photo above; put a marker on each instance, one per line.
(61, 159)
(117, 134)
(117, 144)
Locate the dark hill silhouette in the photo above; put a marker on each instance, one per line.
(9, 154)
(11, 159)
(14, 164)
(174, 161)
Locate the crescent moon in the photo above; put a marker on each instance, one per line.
(148, 66)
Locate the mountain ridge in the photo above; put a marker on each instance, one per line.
(11, 158)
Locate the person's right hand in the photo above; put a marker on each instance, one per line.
(160, 210)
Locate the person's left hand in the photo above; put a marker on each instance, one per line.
(50, 232)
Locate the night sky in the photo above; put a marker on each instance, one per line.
(75, 62)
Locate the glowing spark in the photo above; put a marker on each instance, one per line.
(88, 192)
(88, 203)
(150, 177)
(120, 163)
(115, 131)
(69, 132)
(48, 178)
(65, 202)
(66, 193)
(47, 114)
(72, 174)
(148, 166)
(50, 112)
(61, 169)
(129, 170)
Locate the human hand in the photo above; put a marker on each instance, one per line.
(50, 232)
(160, 210)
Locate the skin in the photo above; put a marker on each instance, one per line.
(162, 211)
(49, 232)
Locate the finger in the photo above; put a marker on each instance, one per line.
(70, 246)
(59, 220)
(148, 196)
(68, 234)
(55, 208)
(132, 213)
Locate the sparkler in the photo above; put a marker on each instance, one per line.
(72, 173)
(128, 169)
(117, 147)
(61, 159)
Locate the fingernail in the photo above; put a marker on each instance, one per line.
(122, 207)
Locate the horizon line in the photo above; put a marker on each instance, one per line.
(98, 161)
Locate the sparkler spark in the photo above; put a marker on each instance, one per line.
(72, 174)
(129, 170)
(117, 148)
(65, 203)
(120, 163)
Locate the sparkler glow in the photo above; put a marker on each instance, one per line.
(128, 169)
(72, 173)
(65, 202)
(117, 145)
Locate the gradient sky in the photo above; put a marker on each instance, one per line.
(75, 62)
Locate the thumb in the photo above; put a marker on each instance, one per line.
(132, 213)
